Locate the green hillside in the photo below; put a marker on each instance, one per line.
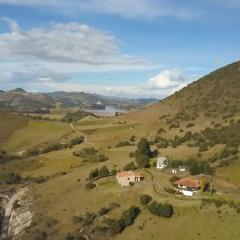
(198, 126)
(9, 123)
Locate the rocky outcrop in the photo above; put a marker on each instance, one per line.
(15, 213)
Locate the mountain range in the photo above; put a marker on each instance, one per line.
(20, 100)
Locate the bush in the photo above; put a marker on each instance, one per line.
(90, 186)
(103, 211)
(143, 161)
(145, 199)
(197, 167)
(11, 178)
(129, 216)
(144, 147)
(123, 144)
(166, 210)
(114, 172)
(91, 155)
(161, 210)
(94, 173)
(115, 227)
(104, 172)
(77, 140)
(131, 154)
(132, 138)
(130, 166)
(113, 205)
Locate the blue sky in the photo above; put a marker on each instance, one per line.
(134, 48)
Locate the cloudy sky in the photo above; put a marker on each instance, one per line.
(128, 48)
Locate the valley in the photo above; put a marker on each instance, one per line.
(53, 154)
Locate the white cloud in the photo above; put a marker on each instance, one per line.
(167, 79)
(41, 76)
(126, 8)
(72, 43)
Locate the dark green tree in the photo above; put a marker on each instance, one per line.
(104, 172)
(143, 147)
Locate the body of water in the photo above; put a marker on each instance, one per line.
(108, 111)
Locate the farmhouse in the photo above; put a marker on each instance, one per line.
(162, 162)
(125, 178)
(189, 186)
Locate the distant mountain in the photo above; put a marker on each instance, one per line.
(96, 101)
(1, 91)
(20, 100)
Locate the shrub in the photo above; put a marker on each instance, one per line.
(104, 172)
(77, 140)
(115, 227)
(103, 211)
(113, 205)
(144, 147)
(197, 167)
(114, 172)
(129, 216)
(130, 166)
(123, 144)
(131, 154)
(161, 210)
(145, 199)
(94, 173)
(189, 125)
(166, 210)
(90, 186)
(132, 138)
(143, 161)
(11, 178)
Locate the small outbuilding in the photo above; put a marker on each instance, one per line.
(162, 162)
(127, 177)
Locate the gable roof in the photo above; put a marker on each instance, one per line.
(128, 174)
(189, 182)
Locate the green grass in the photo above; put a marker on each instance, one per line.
(33, 133)
(9, 123)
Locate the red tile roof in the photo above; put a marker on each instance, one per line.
(189, 182)
(128, 174)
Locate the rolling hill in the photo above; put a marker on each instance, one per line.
(199, 122)
(19, 100)
(213, 98)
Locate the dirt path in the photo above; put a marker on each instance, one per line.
(84, 135)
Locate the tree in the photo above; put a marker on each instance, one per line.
(129, 216)
(145, 199)
(129, 166)
(144, 147)
(115, 227)
(103, 211)
(132, 138)
(166, 210)
(104, 172)
(94, 173)
(114, 172)
(143, 161)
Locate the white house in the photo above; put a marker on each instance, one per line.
(189, 186)
(162, 162)
(125, 178)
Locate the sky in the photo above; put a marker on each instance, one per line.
(125, 48)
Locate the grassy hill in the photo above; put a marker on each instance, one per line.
(208, 109)
(9, 123)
